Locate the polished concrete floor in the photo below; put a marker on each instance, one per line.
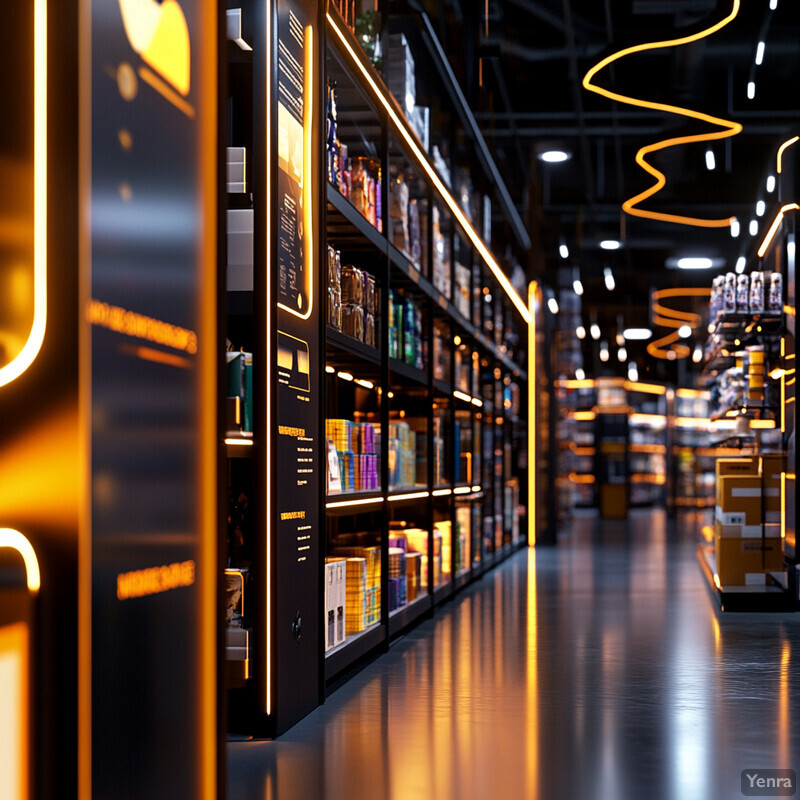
(596, 669)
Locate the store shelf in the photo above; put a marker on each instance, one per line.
(239, 447)
(401, 618)
(399, 369)
(353, 502)
(343, 351)
(441, 593)
(775, 597)
(347, 226)
(353, 648)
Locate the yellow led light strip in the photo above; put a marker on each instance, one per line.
(33, 345)
(729, 128)
(533, 293)
(403, 129)
(782, 149)
(666, 317)
(14, 540)
(773, 229)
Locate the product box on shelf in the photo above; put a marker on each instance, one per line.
(744, 556)
(335, 601)
(236, 160)
(739, 500)
(736, 466)
(240, 249)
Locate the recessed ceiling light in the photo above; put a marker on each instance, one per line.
(608, 277)
(761, 207)
(552, 304)
(595, 331)
(751, 90)
(695, 263)
(711, 162)
(563, 251)
(771, 184)
(753, 227)
(622, 354)
(759, 53)
(684, 331)
(610, 244)
(580, 332)
(633, 372)
(578, 287)
(554, 156)
(580, 374)
(697, 356)
(741, 263)
(637, 334)
(735, 228)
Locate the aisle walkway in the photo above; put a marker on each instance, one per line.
(597, 669)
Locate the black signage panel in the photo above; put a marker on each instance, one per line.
(152, 217)
(296, 368)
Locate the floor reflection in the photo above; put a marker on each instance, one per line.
(597, 669)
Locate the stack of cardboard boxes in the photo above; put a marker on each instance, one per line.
(748, 519)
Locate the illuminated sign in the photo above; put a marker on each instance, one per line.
(154, 580)
(728, 127)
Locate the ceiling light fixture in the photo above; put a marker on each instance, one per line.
(761, 207)
(580, 332)
(608, 277)
(771, 184)
(695, 262)
(751, 89)
(580, 374)
(735, 228)
(684, 331)
(563, 250)
(728, 127)
(622, 354)
(633, 372)
(760, 53)
(577, 286)
(610, 244)
(741, 263)
(753, 227)
(554, 156)
(711, 162)
(697, 355)
(637, 334)
(604, 351)
(552, 304)
(773, 4)
(594, 330)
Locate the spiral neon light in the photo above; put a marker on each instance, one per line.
(666, 317)
(728, 127)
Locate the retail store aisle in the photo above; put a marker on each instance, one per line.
(598, 669)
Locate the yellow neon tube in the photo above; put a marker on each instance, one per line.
(533, 290)
(783, 505)
(33, 345)
(773, 229)
(270, 361)
(666, 317)
(782, 149)
(402, 127)
(16, 541)
(645, 388)
(729, 128)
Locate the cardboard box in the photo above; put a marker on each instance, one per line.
(743, 559)
(739, 500)
(736, 466)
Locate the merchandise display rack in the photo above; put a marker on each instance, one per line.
(420, 369)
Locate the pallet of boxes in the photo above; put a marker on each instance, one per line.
(749, 547)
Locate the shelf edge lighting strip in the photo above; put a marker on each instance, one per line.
(729, 128)
(27, 355)
(403, 129)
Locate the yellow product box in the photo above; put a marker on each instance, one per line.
(739, 500)
(736, 466)
(771, 468)
(744, 560)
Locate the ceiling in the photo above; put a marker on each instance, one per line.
(531, 56)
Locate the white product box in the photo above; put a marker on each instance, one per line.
(240, 250)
